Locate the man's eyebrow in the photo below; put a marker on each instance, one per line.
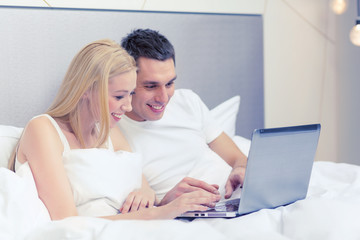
(150, 82)
(173, 79)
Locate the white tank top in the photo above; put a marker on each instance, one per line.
(100, 178)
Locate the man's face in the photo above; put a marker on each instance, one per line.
(154, 88)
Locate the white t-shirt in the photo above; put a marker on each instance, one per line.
(176, 146)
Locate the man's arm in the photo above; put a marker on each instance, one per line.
(225, 147)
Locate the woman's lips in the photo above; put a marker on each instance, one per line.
(116, 116)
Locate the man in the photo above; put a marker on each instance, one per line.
(179, 139)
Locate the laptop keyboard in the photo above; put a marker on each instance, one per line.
(227, 206)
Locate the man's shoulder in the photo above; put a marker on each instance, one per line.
(184, 95)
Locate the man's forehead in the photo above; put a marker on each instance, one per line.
(143, 62)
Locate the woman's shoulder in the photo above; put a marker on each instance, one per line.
(40, 128)
(118, 140)
(38, 133)
(38, 121)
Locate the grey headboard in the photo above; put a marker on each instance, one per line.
(217, 55)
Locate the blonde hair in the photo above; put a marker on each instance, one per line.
(89, 72)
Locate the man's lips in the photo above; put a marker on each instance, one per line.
(156, 108)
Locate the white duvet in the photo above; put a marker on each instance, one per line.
(331, 211)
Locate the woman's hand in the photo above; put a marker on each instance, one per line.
(192, 198)
(191, 201)
(139, 199)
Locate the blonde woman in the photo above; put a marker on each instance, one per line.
(80, 162)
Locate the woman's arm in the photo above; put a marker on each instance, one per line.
(41, 146)
(192, 201)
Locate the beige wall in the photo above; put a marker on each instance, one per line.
(299, 54)
(300, 82)
(348, 69)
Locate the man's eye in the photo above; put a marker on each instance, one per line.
(169, 84)
(150, 86)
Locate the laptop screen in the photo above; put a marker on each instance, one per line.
(279, 166)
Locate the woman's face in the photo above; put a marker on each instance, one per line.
(121, 89)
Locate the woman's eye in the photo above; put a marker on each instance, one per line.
(132, 93)
(119, 97)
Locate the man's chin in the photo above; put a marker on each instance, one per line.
(155, 118)
(149, 117)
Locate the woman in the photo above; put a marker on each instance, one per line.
(80, 161)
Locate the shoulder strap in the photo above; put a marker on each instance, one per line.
(59, 131)
(109, 144)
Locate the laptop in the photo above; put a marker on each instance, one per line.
(277, 173)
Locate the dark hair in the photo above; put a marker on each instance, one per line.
(149, 44)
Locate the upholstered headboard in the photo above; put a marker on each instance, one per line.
(217, 55)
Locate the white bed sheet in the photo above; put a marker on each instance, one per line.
(331, 211)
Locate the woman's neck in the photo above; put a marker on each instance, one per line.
(88, 130)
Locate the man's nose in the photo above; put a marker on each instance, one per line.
(162, 95)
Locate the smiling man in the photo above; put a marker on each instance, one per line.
(155, 87)
(182, 145)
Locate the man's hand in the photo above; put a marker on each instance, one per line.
(192, 201)
(188, 185)
(235, 179)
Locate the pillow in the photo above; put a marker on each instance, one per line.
(9, 137)
(226, 113)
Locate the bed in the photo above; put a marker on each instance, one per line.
(39, 48)
(331, 209)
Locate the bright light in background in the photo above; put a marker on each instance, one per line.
(339, 6)
(355, 34)
(355, 31)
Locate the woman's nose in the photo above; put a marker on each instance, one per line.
(126, 107)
